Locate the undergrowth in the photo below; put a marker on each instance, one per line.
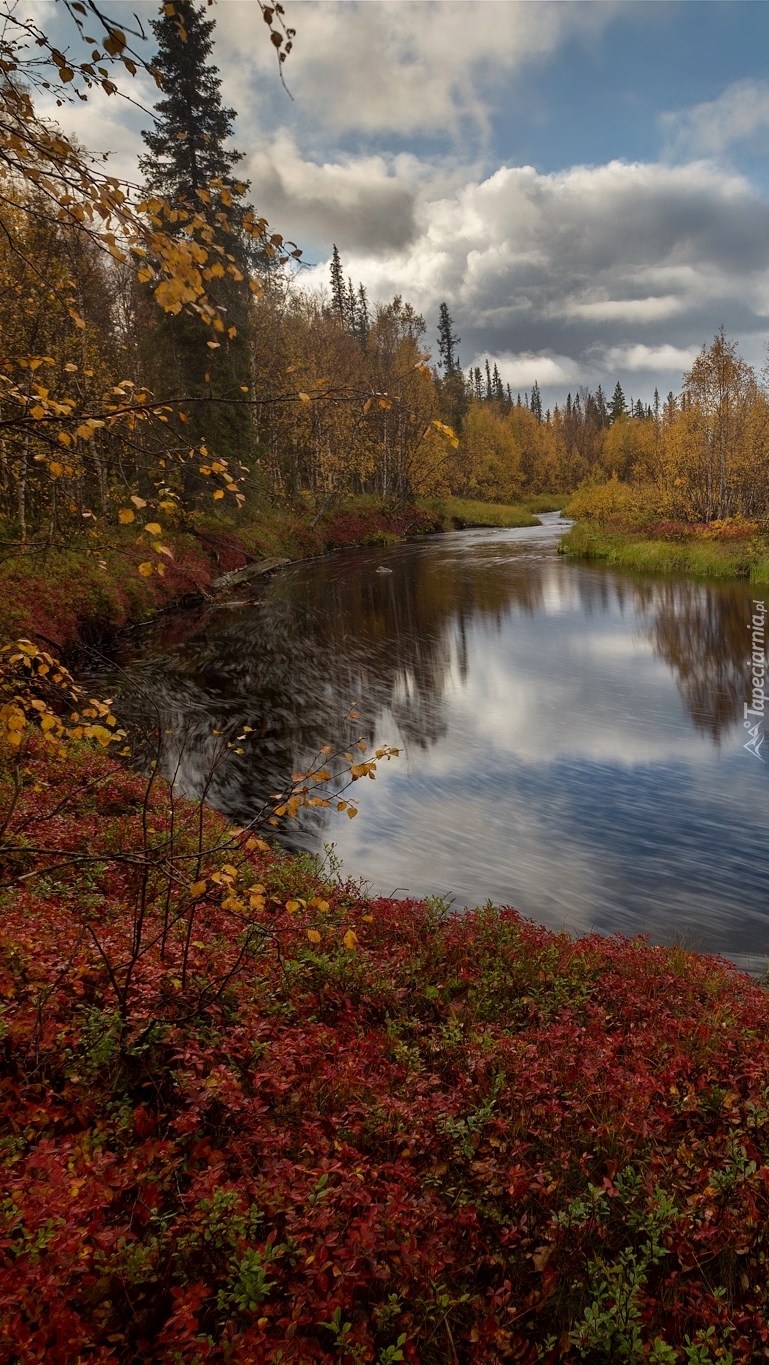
(400, 1134)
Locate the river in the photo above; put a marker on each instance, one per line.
(572, 737)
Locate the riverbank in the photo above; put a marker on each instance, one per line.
(323, 1127)
(83, 592)
(674, 548)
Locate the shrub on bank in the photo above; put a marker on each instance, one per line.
(86, 591)
(678, 549)
(401, 1134)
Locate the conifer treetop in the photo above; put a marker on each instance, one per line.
(187, 145)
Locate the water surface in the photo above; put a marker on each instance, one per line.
(572, 737)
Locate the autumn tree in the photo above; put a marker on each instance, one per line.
(726, 431)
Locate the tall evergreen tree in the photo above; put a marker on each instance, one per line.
(338, 296)
(187, 151)
(536, 402)
(489, 390)
(618, 406)
(447, 341)
(187, 144)
(364, 321)
(601, 409)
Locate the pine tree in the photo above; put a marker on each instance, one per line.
(364, 322)
(187, 151)
(600, 407)
(488, 380)
(536, 402)
(656, 405)
(187, 144)
(447, 341)
(338, 299)
(497, 386)
(618, 406)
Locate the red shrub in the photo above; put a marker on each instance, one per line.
(441, 1138)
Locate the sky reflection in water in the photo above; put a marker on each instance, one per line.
(573, 737)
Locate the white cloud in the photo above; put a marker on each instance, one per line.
(653, 358)
(626, 310)
(360, 202)
(523, 369)
(740, 114)
(407, 68)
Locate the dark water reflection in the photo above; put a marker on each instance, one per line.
(573, 737)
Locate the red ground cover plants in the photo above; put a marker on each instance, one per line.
(299, 1125)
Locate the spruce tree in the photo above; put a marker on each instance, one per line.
(187, 144)
(536, 402)
(364, 321)
(618, 406)
(338, 297)
(489, 390)
(447, 341)
(187, 150)
(600, 407)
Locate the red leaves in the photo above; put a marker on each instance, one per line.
(433, 1138)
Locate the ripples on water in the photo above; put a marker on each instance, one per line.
(573, 737)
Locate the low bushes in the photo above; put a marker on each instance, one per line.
(677, 549)
(400, 1134)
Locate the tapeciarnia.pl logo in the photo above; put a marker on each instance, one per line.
(754, 711)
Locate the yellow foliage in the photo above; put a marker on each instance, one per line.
(489, 461)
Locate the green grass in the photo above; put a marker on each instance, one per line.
(458, 513)
(546, 502)
(699, 558)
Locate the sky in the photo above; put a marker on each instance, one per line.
(585, 183)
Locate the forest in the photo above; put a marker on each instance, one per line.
(160, 353)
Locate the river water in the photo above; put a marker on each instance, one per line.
(572, 738)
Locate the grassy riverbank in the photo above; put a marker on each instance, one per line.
(324, 1128)
(673, 548)
(83, 591)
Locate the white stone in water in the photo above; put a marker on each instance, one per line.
(382, 569)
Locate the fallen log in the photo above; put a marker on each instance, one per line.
(235, 577)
